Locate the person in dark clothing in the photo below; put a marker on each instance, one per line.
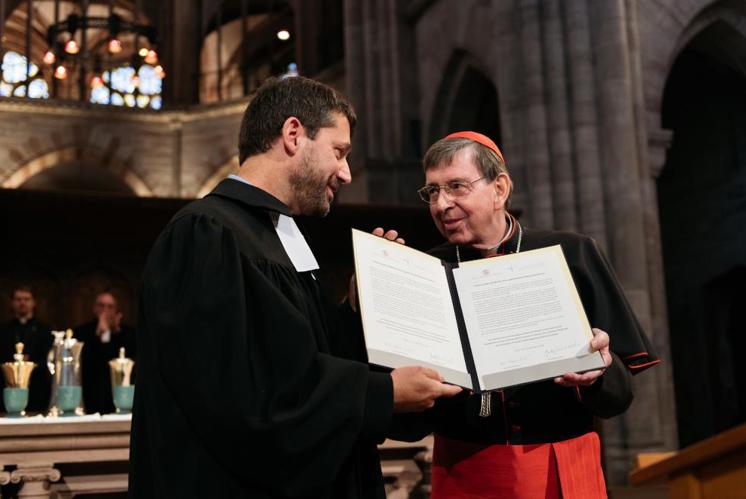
(36, 337)
(103, 337)
(536, 440)
(250, 382)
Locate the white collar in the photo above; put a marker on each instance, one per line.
(294, 243)
(292, 239)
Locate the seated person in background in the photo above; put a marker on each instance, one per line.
(103, 336)
(535, 440)
(37, 340)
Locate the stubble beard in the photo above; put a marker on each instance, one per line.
(309, 188)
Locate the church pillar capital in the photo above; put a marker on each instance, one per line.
(35, 480)
(658, 143)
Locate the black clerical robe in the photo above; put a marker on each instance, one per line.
(245, 386)
(37, 340)
(94, 361)
(546, 412)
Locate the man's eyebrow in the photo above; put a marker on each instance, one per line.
(450, 181)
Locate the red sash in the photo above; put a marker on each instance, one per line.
(570, 469)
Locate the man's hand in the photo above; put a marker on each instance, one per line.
(103, 324)
(599, 343)
(391, 235)
(416, 388)
(116, 324)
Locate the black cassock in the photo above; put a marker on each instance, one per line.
(246, 384)
(95, 357)
(545, 412)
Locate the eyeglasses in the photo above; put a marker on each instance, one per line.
(455, 189)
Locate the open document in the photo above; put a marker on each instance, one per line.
(484, 325)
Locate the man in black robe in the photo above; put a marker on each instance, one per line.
(103, 336)
(37, 340)
(537, 439)
(251, 384)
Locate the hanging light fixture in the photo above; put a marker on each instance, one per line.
(49, 58)
(114, 46)
(71, 47)
(60, 72)
(152, 57)
(89, 58)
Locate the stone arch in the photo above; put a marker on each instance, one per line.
(230, 166)
(68, 154)
(704, 107)
(663, 38)
(262, 53)
(467, 99)
(480, 35)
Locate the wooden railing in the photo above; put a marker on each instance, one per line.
(714, 468)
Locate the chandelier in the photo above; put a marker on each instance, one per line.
(71, 49)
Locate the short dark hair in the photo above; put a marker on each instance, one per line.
(490, 165)
(280, 98)
(25, 288)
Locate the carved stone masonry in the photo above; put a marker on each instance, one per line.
(4, 476)
(36, 480)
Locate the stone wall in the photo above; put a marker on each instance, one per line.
(164, 154)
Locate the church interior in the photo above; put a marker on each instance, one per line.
(624, 120)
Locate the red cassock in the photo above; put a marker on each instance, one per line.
(569, 469)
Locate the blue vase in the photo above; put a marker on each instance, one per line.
(68, 399)
(15, 400)
(123, 398)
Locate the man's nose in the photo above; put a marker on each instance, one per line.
(443, 200)
(344, 175)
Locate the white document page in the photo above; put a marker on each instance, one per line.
(406, 308)
(524, 318)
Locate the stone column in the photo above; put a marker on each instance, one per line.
(621, 179)
(378, 42)
(651, 146)
(177, 129)
(646, 425)
(35, 480)
(560, 143)
(355, 76)
(537, 150)
(179, 33)
(4, 476)
(667, 437)
(583, 121)
(306, 20)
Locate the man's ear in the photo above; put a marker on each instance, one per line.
(502, 189)
(292, 131)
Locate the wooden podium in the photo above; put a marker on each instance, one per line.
(712, 469)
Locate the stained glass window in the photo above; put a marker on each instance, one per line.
(126, 86)
(14, 82)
